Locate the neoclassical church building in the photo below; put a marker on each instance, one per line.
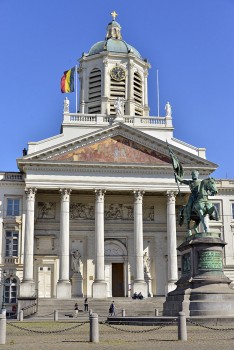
(93, 210)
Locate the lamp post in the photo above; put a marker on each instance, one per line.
(3, 293)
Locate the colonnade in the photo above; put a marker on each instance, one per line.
(27, 287)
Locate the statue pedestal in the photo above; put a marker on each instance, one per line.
(119, 118)
(203, 289)
(99, 289)
(77, 285)
(63, 290)
(140, 286)
(148, 281)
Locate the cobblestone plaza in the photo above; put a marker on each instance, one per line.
(55, 335)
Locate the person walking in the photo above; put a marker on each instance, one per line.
(86, 305)
(76, 310)
(112, 309)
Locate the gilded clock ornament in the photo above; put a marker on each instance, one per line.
(117, 73)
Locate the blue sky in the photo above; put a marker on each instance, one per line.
(190, 42)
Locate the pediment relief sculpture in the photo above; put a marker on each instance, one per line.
(117, 149)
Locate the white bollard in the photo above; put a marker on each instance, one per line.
(3, 328)
(55, 315)
(182, 327)
(90, 312)
(3, 312)
(21, 315)
(94, 328)
(123, 313)
(156, 312)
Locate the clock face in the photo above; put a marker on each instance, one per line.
(117, 73)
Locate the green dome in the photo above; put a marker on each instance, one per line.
(113, 45)
(114, 23)
(113, 42)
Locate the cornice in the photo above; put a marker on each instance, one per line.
(113, 168)
(12, 184)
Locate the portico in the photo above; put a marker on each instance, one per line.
(114, 209)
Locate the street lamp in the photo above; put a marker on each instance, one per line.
(3, 295)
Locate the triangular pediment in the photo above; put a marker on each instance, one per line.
(117, 149)
(115, 145)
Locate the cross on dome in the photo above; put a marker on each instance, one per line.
(114, 15)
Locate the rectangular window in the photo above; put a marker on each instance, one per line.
(218, 208)
(10, 295)
(232, 211)
(13, 206)
(12, 238)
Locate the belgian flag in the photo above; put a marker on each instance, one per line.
(67, 81)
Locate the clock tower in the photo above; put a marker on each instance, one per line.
(113, 69)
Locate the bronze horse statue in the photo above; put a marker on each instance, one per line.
(200, 208)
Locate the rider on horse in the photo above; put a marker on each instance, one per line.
(194, 188)
(198, 205)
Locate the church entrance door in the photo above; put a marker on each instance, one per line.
(44, 282)
(117, 279)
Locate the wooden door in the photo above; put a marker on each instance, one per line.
(117, 279)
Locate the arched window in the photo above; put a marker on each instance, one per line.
(10, 290)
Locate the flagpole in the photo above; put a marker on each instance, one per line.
(173, 161)
(76, 87)
(157, 92)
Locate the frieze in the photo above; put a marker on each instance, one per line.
(46, 210)
(111, 212)
(81, 211)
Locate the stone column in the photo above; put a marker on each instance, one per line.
(146, 106)
(130, 106)
(81, 93)
(105, 108)
(27, 287)
(83, 104)
(64, 285)
(171, 243)
(99, 284)
(139, 284)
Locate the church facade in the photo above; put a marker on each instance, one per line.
(93, 210)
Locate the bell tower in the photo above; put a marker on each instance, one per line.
(113, 69)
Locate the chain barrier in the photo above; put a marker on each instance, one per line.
(139, 331)
(46, 332)
(208, 327)
(52, 313)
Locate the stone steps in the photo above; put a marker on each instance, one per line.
(145, 307)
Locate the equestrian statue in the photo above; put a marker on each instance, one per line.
(198, 205)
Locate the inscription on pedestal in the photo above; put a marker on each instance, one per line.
(210, 260)
(186, 264)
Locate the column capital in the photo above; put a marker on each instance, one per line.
(100, 193)
(65, 193)
(30, 193)
(138, 195)
(171, 195)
